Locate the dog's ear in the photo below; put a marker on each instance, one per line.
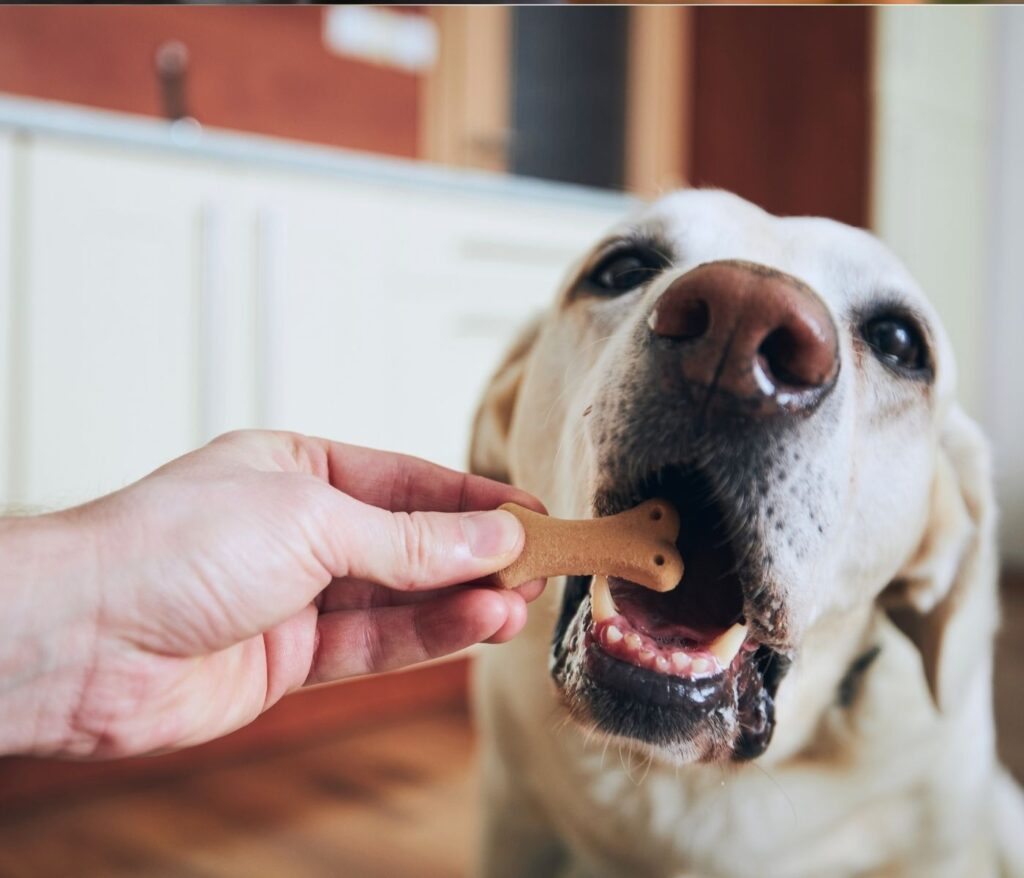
(950, 580)
(488, 450)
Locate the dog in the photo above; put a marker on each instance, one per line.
(814, 697)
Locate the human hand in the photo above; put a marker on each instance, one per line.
(253, 566)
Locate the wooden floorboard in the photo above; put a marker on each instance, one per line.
(396, 800)
(319, 713)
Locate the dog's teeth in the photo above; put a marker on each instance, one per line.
(633, 641)
(680, 661)
(725, 646)
(612, 634)
(700, 665)
(661, 664)
(647, 657)
(602, 607)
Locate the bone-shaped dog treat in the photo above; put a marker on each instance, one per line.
(637, 544)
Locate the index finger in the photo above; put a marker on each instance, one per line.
(403, 483)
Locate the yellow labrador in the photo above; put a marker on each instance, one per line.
(814, 699)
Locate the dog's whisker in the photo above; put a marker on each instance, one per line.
(647, 770)
(780, 788)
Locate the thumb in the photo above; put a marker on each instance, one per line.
(420, 550)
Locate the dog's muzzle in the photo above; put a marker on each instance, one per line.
(735, 354)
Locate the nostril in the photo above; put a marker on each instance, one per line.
(681, 320)
(695, 319)
(785, 357)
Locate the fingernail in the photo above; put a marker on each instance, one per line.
(489, 534)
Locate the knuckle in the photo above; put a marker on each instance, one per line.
(372, 648)
(234, 437)
(421, 635)
(309, 456)
(102, 727)
(416, 541)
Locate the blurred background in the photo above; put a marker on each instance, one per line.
(333, 219)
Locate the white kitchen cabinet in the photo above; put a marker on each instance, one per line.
(109, 322)
(389, 308)
(160, 288)
(109, 318)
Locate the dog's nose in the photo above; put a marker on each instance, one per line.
(750, 333)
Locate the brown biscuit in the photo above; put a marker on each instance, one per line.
(637, 544)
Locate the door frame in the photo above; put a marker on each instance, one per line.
(465, 101)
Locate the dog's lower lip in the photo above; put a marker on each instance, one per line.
(666, 690)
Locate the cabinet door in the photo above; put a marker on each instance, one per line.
(387, 309)
(109, 318)
(157, 301)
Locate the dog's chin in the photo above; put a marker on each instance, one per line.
(691, 673)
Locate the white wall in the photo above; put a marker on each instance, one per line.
(948, 197)
(1004, 400)
(933, 82)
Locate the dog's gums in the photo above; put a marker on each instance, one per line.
(678, 651)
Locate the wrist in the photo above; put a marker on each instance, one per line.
(48, 615)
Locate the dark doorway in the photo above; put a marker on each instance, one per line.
(569, 93)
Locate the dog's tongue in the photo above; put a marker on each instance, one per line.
(684, 614)
(705, 604)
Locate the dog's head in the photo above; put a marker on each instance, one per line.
(787, 386)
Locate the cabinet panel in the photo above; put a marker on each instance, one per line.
(164, 298)
(391, 308)
(109, 320)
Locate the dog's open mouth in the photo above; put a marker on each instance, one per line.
(681, 668)
(695, 630)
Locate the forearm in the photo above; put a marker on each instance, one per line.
(48, 615)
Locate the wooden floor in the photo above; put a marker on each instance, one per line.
(397, 800)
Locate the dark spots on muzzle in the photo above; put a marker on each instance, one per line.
(576, 588)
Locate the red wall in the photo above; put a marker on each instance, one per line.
(262, 69)
(781, 103)
(782, 109)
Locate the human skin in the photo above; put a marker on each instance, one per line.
(181, 607)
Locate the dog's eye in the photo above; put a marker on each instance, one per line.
(896, 341)
(626, 269)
